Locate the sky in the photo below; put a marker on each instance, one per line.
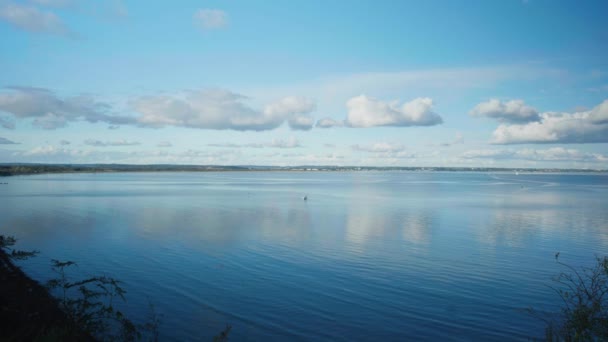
(507, 83)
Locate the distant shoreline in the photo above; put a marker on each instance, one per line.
(9, 169)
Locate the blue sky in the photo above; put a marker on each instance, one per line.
(403, 83)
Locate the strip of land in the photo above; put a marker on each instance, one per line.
(29, 169)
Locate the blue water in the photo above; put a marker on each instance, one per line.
(370, 256)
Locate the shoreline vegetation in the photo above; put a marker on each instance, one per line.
(8, 169)
(64, 309)
(28, 312)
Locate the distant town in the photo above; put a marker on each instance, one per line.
(30, 169)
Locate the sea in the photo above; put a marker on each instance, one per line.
(318, 256)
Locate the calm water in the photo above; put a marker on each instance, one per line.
(370, 256)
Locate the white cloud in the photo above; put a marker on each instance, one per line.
(296, 109)
(49, 111)
(514, 111)
(219, 109)
(99, 143)
(580, 127)
(32, 19)
(328, 123)
(301, 122)
(379, 147)
(4, 141)
(366, 111)
(555, 154)
(206, 109)
(209, 19)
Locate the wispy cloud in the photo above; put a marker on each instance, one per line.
(379, 147)
(555, 154)
(458, 139)
(32, 19)
(209, 19)
(54, 3)
(275, 143)
(164, 144)
(99, 143)
(4, 141)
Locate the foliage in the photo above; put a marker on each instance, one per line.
(7, 243)
(223, 335)
(89, 305)
(584, 296)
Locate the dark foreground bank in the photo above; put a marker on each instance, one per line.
(27, 311)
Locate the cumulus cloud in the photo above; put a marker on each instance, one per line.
(328, 123)
(514, 111)
(220, 109)
(209, 19)
(364, 111)
(164, 144)
(49, 111)
(301, 122)
(579, 127)
(296, 109)
(99, 143)
(32, 19)
(555, 154)
(207, 109)
(380, 147)
(4, 141)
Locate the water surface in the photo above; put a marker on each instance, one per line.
(370, 256)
